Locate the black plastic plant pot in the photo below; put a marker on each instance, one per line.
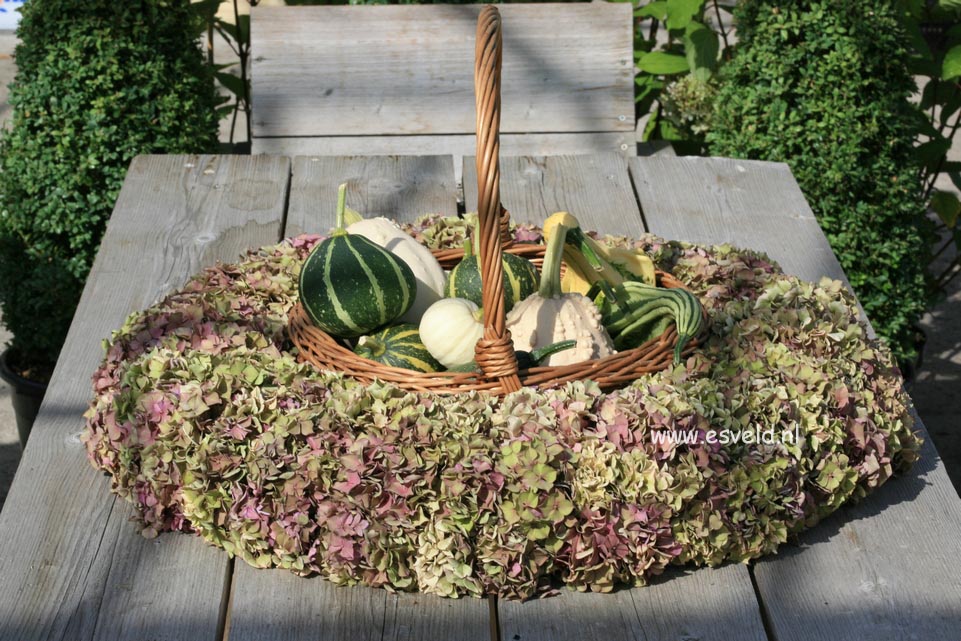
(27, 396)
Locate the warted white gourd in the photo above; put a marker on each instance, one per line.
(550, 315)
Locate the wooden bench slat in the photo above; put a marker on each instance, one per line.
(889, 567)
(457, 145)
(72, 566)
(389, 70)
(703, 604)
(276, 604)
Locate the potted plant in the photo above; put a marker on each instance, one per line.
(26, 394)
(98, 83)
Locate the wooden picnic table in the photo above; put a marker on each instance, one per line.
(72, 567)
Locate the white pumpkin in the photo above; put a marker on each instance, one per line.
(427, 271)
(449, 329)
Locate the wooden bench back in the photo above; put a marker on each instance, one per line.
(399, 79)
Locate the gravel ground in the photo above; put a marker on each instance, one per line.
(937, 391)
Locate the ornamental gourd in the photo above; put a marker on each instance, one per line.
(589, 262)
(428, 273)
(450, 328)
(398, 346)
(634, 313)
(550, 316)
(350, 286)
(520, 279)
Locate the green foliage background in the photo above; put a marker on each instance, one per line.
(824, 85)
(98, 82)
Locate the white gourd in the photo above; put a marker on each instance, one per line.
(571, 316)
(449, 329)
(549, 316)
(427, 271)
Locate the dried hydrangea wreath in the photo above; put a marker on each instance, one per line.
(207, 423)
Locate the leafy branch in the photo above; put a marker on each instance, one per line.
(687, 51)
(235, 32)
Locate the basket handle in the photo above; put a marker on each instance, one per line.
(494, 352)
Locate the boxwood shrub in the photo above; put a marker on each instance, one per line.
(823, 85)
(98, 82)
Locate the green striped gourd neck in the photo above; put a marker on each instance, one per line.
(340, 225)
(551, 270)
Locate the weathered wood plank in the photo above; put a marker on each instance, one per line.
(398, 187)
(459, 145)
(889, 567)
(734, 201)
(535, 144)
(704, 604)
(280, 606)
(417, 617)
(73, 567)
(275, 604)
(593, 188)
(387, 70)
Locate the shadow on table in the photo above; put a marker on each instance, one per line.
(899, 489)
(167, 625)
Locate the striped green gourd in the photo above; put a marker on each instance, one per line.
(639, 312)
(398, 346)
(520, 279)
(350, 286)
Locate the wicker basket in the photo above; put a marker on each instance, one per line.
(494, 352)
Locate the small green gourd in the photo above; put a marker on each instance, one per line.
(427, 271)
(350, 286)
(634, 313)
(398, 346)
(520, 278)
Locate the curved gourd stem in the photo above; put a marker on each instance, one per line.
(495, 351)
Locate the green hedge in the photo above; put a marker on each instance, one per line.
(98, 82)
(824, 85)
